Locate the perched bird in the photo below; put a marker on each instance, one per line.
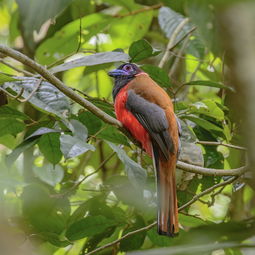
(146, 110)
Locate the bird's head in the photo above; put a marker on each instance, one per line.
(126, 70)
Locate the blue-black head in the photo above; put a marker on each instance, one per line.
(127, 70)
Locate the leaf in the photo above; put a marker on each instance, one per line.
(91, 121)
(11, 158)
(11, 126)
(209, 84)
(72, 146)
(91, 60)
(49, 174)
(45, 213)
(54, 239)
(7, 111)
(158, 75)
(49, 145)
(89, 226)
(204, 123)
(66, 40)
(135, 172)
(134, 242)
(6, 78)
(169, 20)
(140, 50)
(43, 131)
(31, 21)
(78, 129)
(47, 98)
(113, 135)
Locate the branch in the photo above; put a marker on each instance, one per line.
(59, 84)
(148, 8)
(104, 116)
(193, 200)
(223, 144)
(211, 171)
(172, 42)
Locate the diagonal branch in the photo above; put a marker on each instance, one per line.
(193, 200)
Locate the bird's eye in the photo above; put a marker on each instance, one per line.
(127, 68)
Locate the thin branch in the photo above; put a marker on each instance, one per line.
(16, 69)
(172, 42)
(223, 144)
(152, 7)
(193, 200)
(178, 56)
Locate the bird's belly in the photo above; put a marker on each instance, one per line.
(130, 122)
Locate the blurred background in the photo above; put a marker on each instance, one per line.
(59, 195)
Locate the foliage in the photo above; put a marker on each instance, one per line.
(69, 182)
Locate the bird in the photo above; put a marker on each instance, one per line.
(146, 111)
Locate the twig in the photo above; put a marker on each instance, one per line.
(16, 69)
(193, 200)
(177, 59)
(172, 41)
(152, 7)
(223, 144)
(37, 85)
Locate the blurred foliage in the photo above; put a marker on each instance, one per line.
(70, 182)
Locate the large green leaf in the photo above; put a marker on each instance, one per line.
(91, 121)
(5, 78)
(135, 172)
(49, 174)
(11, 126)
(140, 50)
(47, 98)
(158, 75)
(66, 40)
(89, 226)
(7, 111)
(93, 59)
(49, 145)
(209, 84)
(34, 14)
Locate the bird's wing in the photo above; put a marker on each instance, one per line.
(153, 118)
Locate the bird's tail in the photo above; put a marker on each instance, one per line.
(167, 199)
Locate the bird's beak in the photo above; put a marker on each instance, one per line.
(116, 72)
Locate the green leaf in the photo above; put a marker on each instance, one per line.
(66, 40)
(204, 123)
(7, 111)
(209, 84)
(11, 158)
(9, 141)
(11, 126)
(89, 226)
(42, 131)
(157, 239)
(45, 213)
(158, 75)
(72, 146)
(54, 239)
(127, 4)
(140, 50)
(31, 20)
(136, 174)
(6, 78)
(91, 121)
(91, 60)
(49, 174)
(134, 242)
(47, 98)
(49, 145)
(113, 135)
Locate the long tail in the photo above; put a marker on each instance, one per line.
(166, 193)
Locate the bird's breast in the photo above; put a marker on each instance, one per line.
(130, 122)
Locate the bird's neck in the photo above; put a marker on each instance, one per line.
(120, 82)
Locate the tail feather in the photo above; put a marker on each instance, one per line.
(166, 193)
